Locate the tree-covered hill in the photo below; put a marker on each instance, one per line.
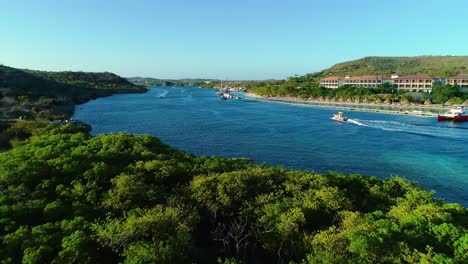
(436, 66)
(38, 93)
(68, 197)
(93, 80)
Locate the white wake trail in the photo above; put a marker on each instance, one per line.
(162, 93)
(356, 122)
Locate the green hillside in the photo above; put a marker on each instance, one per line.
(45, 94)
(440, 66)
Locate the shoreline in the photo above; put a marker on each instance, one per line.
(413, 110)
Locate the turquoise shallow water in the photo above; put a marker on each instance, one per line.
(196, 120)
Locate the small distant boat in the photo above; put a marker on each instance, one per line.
(339, 117)
(227, 96)
(458, 113)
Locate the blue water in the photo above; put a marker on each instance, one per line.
(196, 120)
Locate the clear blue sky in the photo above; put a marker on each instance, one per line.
(238, 39)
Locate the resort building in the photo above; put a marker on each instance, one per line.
(461, 80)
(413, 82)
(331, 82)
(421, 82)
(370, 81)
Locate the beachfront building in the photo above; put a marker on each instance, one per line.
(461, 80)
(418, 82)
(331, 82)
(413, 82)
(369, 81)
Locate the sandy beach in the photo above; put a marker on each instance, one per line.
(394, 108)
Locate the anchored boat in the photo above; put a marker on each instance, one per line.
(457, 113)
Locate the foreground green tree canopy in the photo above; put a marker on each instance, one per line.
(68, 197)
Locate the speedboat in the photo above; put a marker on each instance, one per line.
(339, 117)
(457, 113)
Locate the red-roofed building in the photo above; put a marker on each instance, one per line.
(461, 80)
(418, 82)
(413, 82)
(331, 82)
(369, 81)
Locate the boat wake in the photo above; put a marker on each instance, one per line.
(162, 94)
(352, 121)
(422, 130)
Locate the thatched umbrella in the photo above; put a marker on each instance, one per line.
(388, 101)
(341, 99)
(378, 101)
(405, 101)
(466, 103)
(349, 100)
(320, 99)
(428, 102)
(332, 99)
(365, 101)
(357, 101)
(448, 103)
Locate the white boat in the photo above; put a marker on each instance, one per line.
(227, 92)
(339, 117)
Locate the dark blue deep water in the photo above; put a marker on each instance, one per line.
(196, 120)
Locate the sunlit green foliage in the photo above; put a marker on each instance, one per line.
(442, 94)
(68, 197)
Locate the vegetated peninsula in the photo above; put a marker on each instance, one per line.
(45, 96)
(53, 95)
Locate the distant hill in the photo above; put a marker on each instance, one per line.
(437, 66)
(44, 94)
(145, 81)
